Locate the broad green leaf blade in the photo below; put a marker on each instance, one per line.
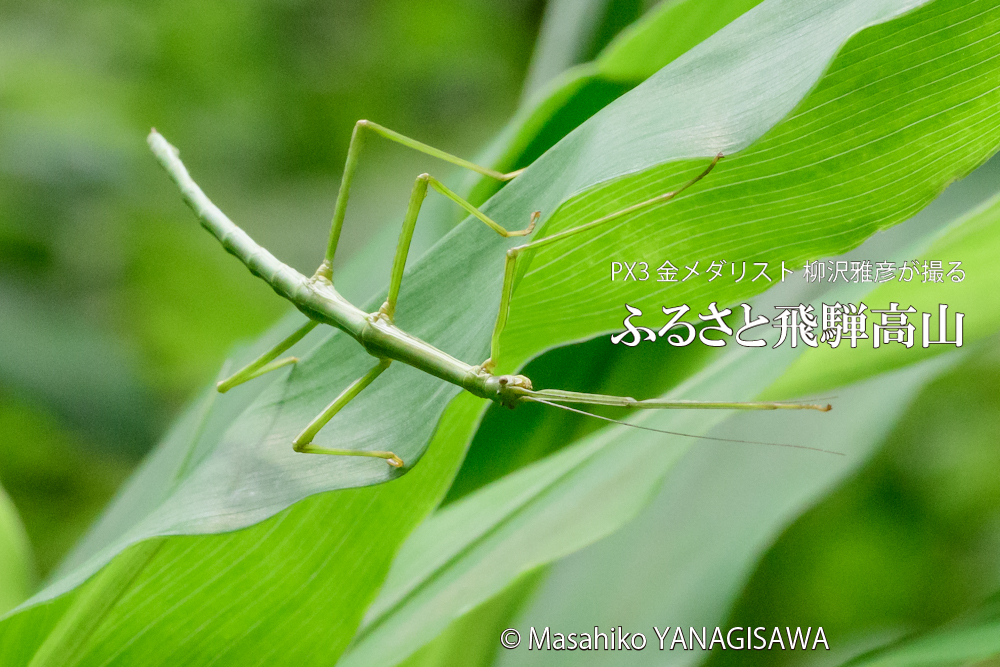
(291, 589)
(966, 642)
(694, 577)
(868, 148)
(472, 549)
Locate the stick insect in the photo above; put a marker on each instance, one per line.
(317, 298)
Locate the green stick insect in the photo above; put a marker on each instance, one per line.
(317, 298)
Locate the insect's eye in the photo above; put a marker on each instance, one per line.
(503, 381)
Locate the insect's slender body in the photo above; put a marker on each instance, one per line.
(317, 298)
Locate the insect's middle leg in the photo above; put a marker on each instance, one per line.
(361, 128)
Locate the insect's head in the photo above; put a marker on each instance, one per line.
(508, 388)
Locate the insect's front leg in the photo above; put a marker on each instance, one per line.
(510, 263)
(303, 441)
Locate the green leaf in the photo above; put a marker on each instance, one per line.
(975, 239)
(717, 515)
(882, 133)
(686, 556)
(283, 590)
(475, 547)
(964, 642)
(559, 102)
(720, 511)
(471, 641)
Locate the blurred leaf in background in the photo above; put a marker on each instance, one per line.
(909, 542)
(16, 567)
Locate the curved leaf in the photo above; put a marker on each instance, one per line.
(566, 99)
(290, 589)
(886, 129)
(976, 240)
(965, 642)
(16, 575)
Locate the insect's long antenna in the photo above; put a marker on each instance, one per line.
(563, 396)
(685, 435)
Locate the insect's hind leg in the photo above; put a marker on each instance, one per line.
(510, 262)
(268, 361)
(351, 165)
(417, 196)
(303, 441)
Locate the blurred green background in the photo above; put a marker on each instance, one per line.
(115, 307)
